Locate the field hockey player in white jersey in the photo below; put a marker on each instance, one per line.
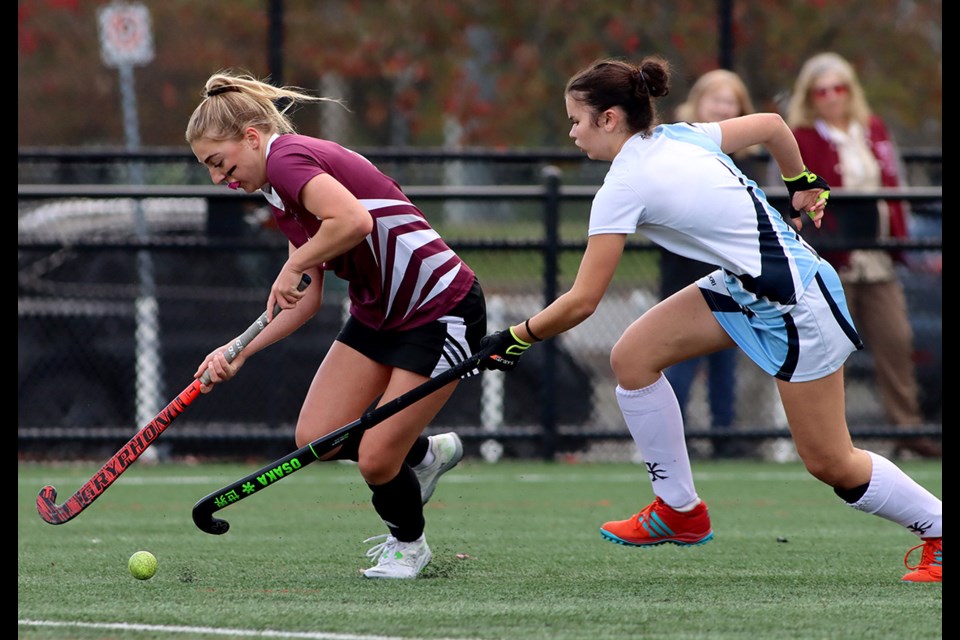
(416, 308)
(773, 297)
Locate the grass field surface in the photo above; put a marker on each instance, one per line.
(517, 554)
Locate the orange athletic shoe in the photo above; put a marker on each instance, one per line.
(658, 524)
(930, 568)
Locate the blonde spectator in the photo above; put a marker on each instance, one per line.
(716, 96)
(849, 146)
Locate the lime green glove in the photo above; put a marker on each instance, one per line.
(502, 350)
(806, 181)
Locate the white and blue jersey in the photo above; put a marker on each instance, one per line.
(678, 188)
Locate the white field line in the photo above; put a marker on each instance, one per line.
(210, 631)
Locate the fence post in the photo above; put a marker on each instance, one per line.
(551, 268)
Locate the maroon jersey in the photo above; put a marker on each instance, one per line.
(403, 275)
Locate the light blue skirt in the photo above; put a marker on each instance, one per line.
(810, 341)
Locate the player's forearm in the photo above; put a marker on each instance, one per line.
(335, 237)
(283, 324)
(768, 129)
(784, 150)
(565, 313)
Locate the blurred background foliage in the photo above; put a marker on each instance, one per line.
(459, 74)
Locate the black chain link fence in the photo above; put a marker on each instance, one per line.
(124, 288)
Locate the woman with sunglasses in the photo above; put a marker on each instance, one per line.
(849, 146)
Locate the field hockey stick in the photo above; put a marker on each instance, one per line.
(292, 462)
(94, 487)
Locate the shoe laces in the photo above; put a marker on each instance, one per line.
(927, 556)
(644, 513)
(383, 548)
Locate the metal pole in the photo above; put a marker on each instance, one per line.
(275, 41)
(149, 366)
(549, 391)
(725, 23)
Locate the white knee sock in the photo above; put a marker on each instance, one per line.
(653, 416)
(894, 495)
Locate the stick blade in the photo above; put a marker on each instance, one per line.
(203, 518)
(48, 508)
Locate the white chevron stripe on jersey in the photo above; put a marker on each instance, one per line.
(405, 245)
(442, 283)
(372, 204)
(411, 244)
(431, 264)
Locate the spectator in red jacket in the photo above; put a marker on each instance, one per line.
(849, 146)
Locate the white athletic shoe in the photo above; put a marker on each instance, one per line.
(395, 559)
(447, 452)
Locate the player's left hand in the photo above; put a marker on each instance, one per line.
(286, 291)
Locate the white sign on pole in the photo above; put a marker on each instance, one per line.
(126, 37)
(126, 40)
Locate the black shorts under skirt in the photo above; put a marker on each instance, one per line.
(430, 349)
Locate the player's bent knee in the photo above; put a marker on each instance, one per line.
(830, 471)
(630, 370)
(378, 469)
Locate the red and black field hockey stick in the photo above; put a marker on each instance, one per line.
(292, 462)
(94, 487)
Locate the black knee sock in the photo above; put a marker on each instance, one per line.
(418, 451)
(398, 503)
(851, 496)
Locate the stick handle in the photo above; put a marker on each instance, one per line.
(93, 488)
(293, 462)
(245, 338)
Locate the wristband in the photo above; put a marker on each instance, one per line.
(804, 182)
(525, 345)
(796, 177)
(526, 325)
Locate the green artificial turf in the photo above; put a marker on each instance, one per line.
(517, 554)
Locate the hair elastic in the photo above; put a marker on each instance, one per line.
(526, 325)
(643, 79)
(222, 89)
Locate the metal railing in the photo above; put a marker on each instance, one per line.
(549, 196)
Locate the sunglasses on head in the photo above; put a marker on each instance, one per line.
(823, 92)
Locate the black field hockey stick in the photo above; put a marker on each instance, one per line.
(94, 487)
(292, 462)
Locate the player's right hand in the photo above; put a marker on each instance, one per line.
(217, 369)
(808, 194)
(502, 350)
